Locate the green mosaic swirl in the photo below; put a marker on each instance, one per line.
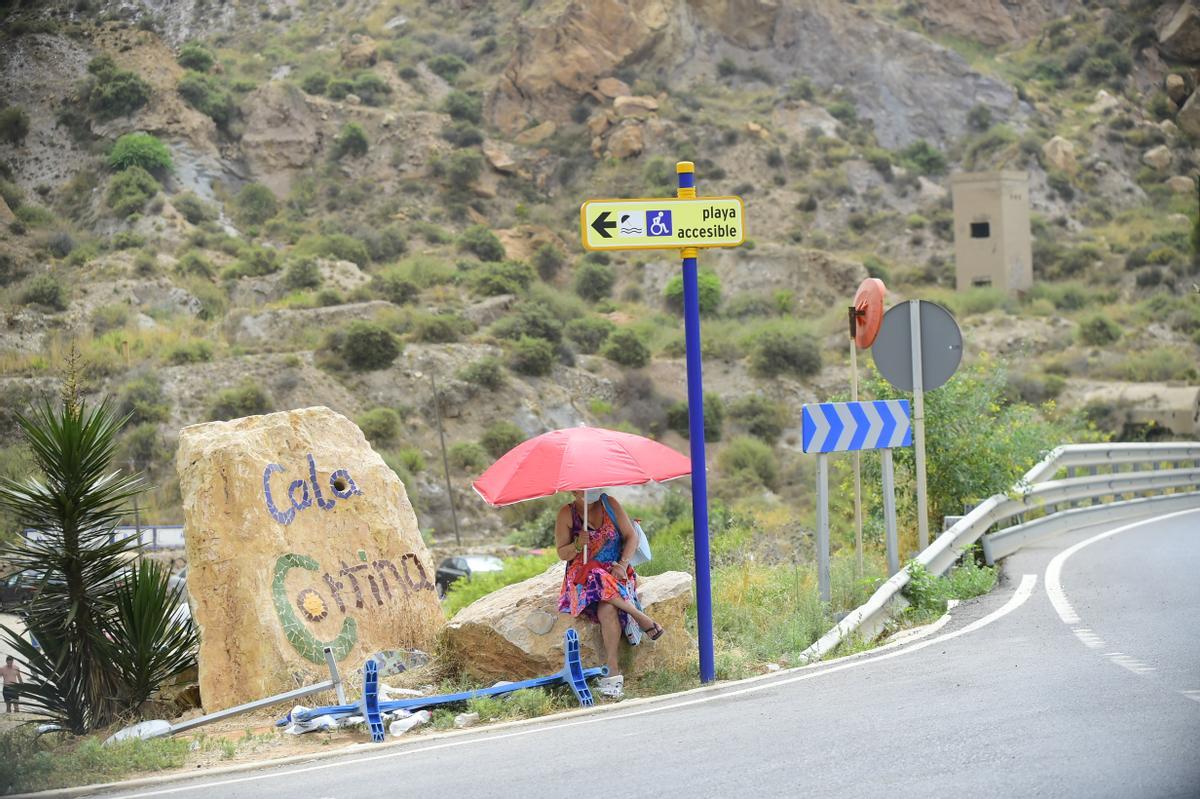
(294, 630)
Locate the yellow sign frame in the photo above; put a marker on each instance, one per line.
(593, 239)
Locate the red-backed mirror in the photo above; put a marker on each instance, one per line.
(868, 301)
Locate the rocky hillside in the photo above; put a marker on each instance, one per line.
(237, 207)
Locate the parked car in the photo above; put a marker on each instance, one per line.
(459, 566)
(16, 590)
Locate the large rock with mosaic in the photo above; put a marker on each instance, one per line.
(299, 537)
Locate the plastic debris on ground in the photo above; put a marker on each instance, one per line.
(466, 720)
(413, 720)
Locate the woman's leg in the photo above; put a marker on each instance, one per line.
(620, 603)
(610, 631)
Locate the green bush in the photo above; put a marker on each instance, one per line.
(335, 245)
(442, 328)
(625, 346)
(463, 107)
(129, 190)
(363, 346)
(194, 210)
(208, 96)
(352, 141)
(462, 169)
(14, 125)
(487, 373)
(247, 399)
(500, 437)
(140, 149)
(315, 82)
(385, 243)
(505, 277)
(531, 356)
(1098, 330)
(302, 273)
(254, 261)
(467, 456)
(534, 320)
(192, 263)
(763, 418)
(714, 418)
(589, 333)
(380, 426)
(196, 57)
(979, 118)
(924, 158)
(709, 286)
(481, 242)
(784, 350)
(446, 66)
(547, 260)
(462, 134)
(395, 287)
(189, 351)
(115, 92)
(594, 282)
(109, 317)
(338, 88)
(45, 290)
(371, 88)
(748, 458)
(254, 204)
(143, 399)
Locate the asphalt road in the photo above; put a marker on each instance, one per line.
(1079, 677)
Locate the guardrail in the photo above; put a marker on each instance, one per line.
(160, 536)
(1040, 493)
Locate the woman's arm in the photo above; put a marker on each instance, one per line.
(565, 545)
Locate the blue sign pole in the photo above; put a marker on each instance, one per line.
(686, 171)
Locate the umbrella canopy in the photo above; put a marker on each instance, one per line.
(577, 458)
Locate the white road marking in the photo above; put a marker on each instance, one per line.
(1062, 606)
(1023, 592)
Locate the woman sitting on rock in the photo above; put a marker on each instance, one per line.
(604, 588)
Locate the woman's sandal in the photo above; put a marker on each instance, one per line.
(653, 633)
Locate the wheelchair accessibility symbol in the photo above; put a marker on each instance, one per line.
(658, 223)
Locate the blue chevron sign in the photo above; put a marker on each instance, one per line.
(845, 426)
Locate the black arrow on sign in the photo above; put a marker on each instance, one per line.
(601, 225)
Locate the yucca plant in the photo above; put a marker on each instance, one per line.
(150, 642)
(91, 614)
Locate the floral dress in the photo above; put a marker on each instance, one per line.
(587, 584)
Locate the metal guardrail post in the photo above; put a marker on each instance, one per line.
(823, 527)
(334, 676)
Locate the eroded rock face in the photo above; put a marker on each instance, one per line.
(282, 134)
(299, 536)
(1060, 154)
(992, 22)
(1179, 30)
(517, 632)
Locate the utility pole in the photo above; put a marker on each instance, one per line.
(437, 411)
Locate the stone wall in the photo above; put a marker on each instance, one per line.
(298, 537)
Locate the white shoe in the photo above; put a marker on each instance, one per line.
(612, 687)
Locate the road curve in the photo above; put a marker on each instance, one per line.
(1008, 699)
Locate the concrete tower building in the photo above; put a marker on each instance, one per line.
(993, 245)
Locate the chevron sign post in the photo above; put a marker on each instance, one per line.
(851, 427)
(847, 426)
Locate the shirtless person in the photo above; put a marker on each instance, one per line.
(12, 678)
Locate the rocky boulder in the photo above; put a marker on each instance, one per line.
(1178, 30)
(299, 537)
(360, 52)
(517, 632)
(1060, 154)
(1181, 184)
(991, 22)
(626, 140)
(1189, 116)
(637, 107)
(1176, 88)
(1157, 157)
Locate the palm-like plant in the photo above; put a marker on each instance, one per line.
(150, 642)
(84, 614)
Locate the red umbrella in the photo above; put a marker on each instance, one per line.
(577, 458)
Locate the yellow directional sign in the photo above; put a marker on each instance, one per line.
(662, 224)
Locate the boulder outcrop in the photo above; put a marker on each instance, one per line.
(299, 537)
(1179, 30)
(282, 134)
(517, 632)
(1060, 154)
